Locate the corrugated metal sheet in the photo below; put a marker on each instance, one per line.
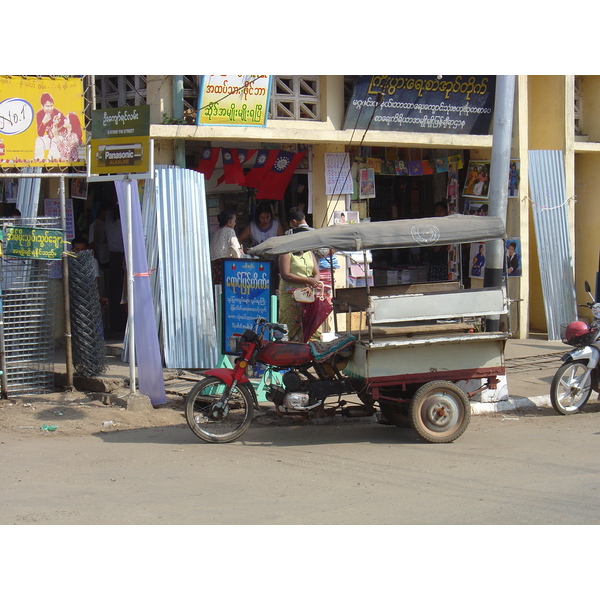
(551, 218)
(176, 230)
(28, 193)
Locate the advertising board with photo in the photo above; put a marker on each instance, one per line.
(342, 217)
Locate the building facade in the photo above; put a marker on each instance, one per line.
(551, 112)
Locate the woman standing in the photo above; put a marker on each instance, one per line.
(224, 244)
(297, 270)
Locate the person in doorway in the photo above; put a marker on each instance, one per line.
(224, 244)
(438, 256)
(263, 227)
(116, 261)
(297, 270)
(97, 236)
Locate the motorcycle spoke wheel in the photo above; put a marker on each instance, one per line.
(209, 419)
(440, 412)
(567, 394)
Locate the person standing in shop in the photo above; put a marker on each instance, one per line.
(263, 227)
(116, 262)
(224, 244)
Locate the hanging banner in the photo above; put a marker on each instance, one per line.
(246, 295)
(27, 242)
(41, 121)
(423, 103)
(121, 140)
(234, 100)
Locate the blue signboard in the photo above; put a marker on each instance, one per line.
(246, 295)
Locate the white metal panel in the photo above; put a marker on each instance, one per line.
(451, 355)
(419, 307)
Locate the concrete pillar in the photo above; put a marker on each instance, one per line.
(159, 94)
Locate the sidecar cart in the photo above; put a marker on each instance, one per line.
(417, 344)
(420, 343)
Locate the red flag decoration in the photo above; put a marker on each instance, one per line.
(278, 177)
(232, 165)
(264, 161)
(208, 160)
(231, 174)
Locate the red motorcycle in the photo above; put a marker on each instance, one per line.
(221, 406)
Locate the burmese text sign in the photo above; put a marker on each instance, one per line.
(423, 103)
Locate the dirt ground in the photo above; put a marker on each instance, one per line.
(79, 413)
(85, 413)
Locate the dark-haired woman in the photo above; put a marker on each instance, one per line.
(224, 244)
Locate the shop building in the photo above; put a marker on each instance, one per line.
(309, 114)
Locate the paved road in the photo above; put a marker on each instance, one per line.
(518, 468)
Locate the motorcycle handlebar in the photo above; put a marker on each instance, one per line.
(272, 326)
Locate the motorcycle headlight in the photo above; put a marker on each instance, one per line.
(596, 310)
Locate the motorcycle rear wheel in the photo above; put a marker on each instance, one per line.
(215, 424)
(566, 394)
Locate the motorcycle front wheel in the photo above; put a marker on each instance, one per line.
(567, 395)
(213, 420)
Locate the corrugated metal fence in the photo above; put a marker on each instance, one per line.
(176, 229)
(551, 218)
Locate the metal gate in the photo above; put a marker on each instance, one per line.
(28, 308)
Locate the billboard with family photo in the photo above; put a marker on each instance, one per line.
(41, 121)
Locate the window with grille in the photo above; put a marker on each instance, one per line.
(113, 91)
(295, 97)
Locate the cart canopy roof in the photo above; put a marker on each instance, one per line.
(404, 233)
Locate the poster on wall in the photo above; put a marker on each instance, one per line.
(246, 296)
(342, 217)
(366, 184)
(42, 121)
(477, 182)
(79, 188)
(477, 260)
(513, 257)
(423, 103)
(234, 100)
(514, 178)
(338, 178)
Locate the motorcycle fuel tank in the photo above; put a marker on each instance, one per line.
(285, 354)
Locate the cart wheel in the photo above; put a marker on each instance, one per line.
(440, 412)
(395, 413)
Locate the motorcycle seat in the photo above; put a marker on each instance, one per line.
(325, 351)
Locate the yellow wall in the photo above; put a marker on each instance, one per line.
(587, 223)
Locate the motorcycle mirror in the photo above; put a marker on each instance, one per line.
(588, 289)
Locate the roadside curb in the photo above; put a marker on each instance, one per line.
(480, 408)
